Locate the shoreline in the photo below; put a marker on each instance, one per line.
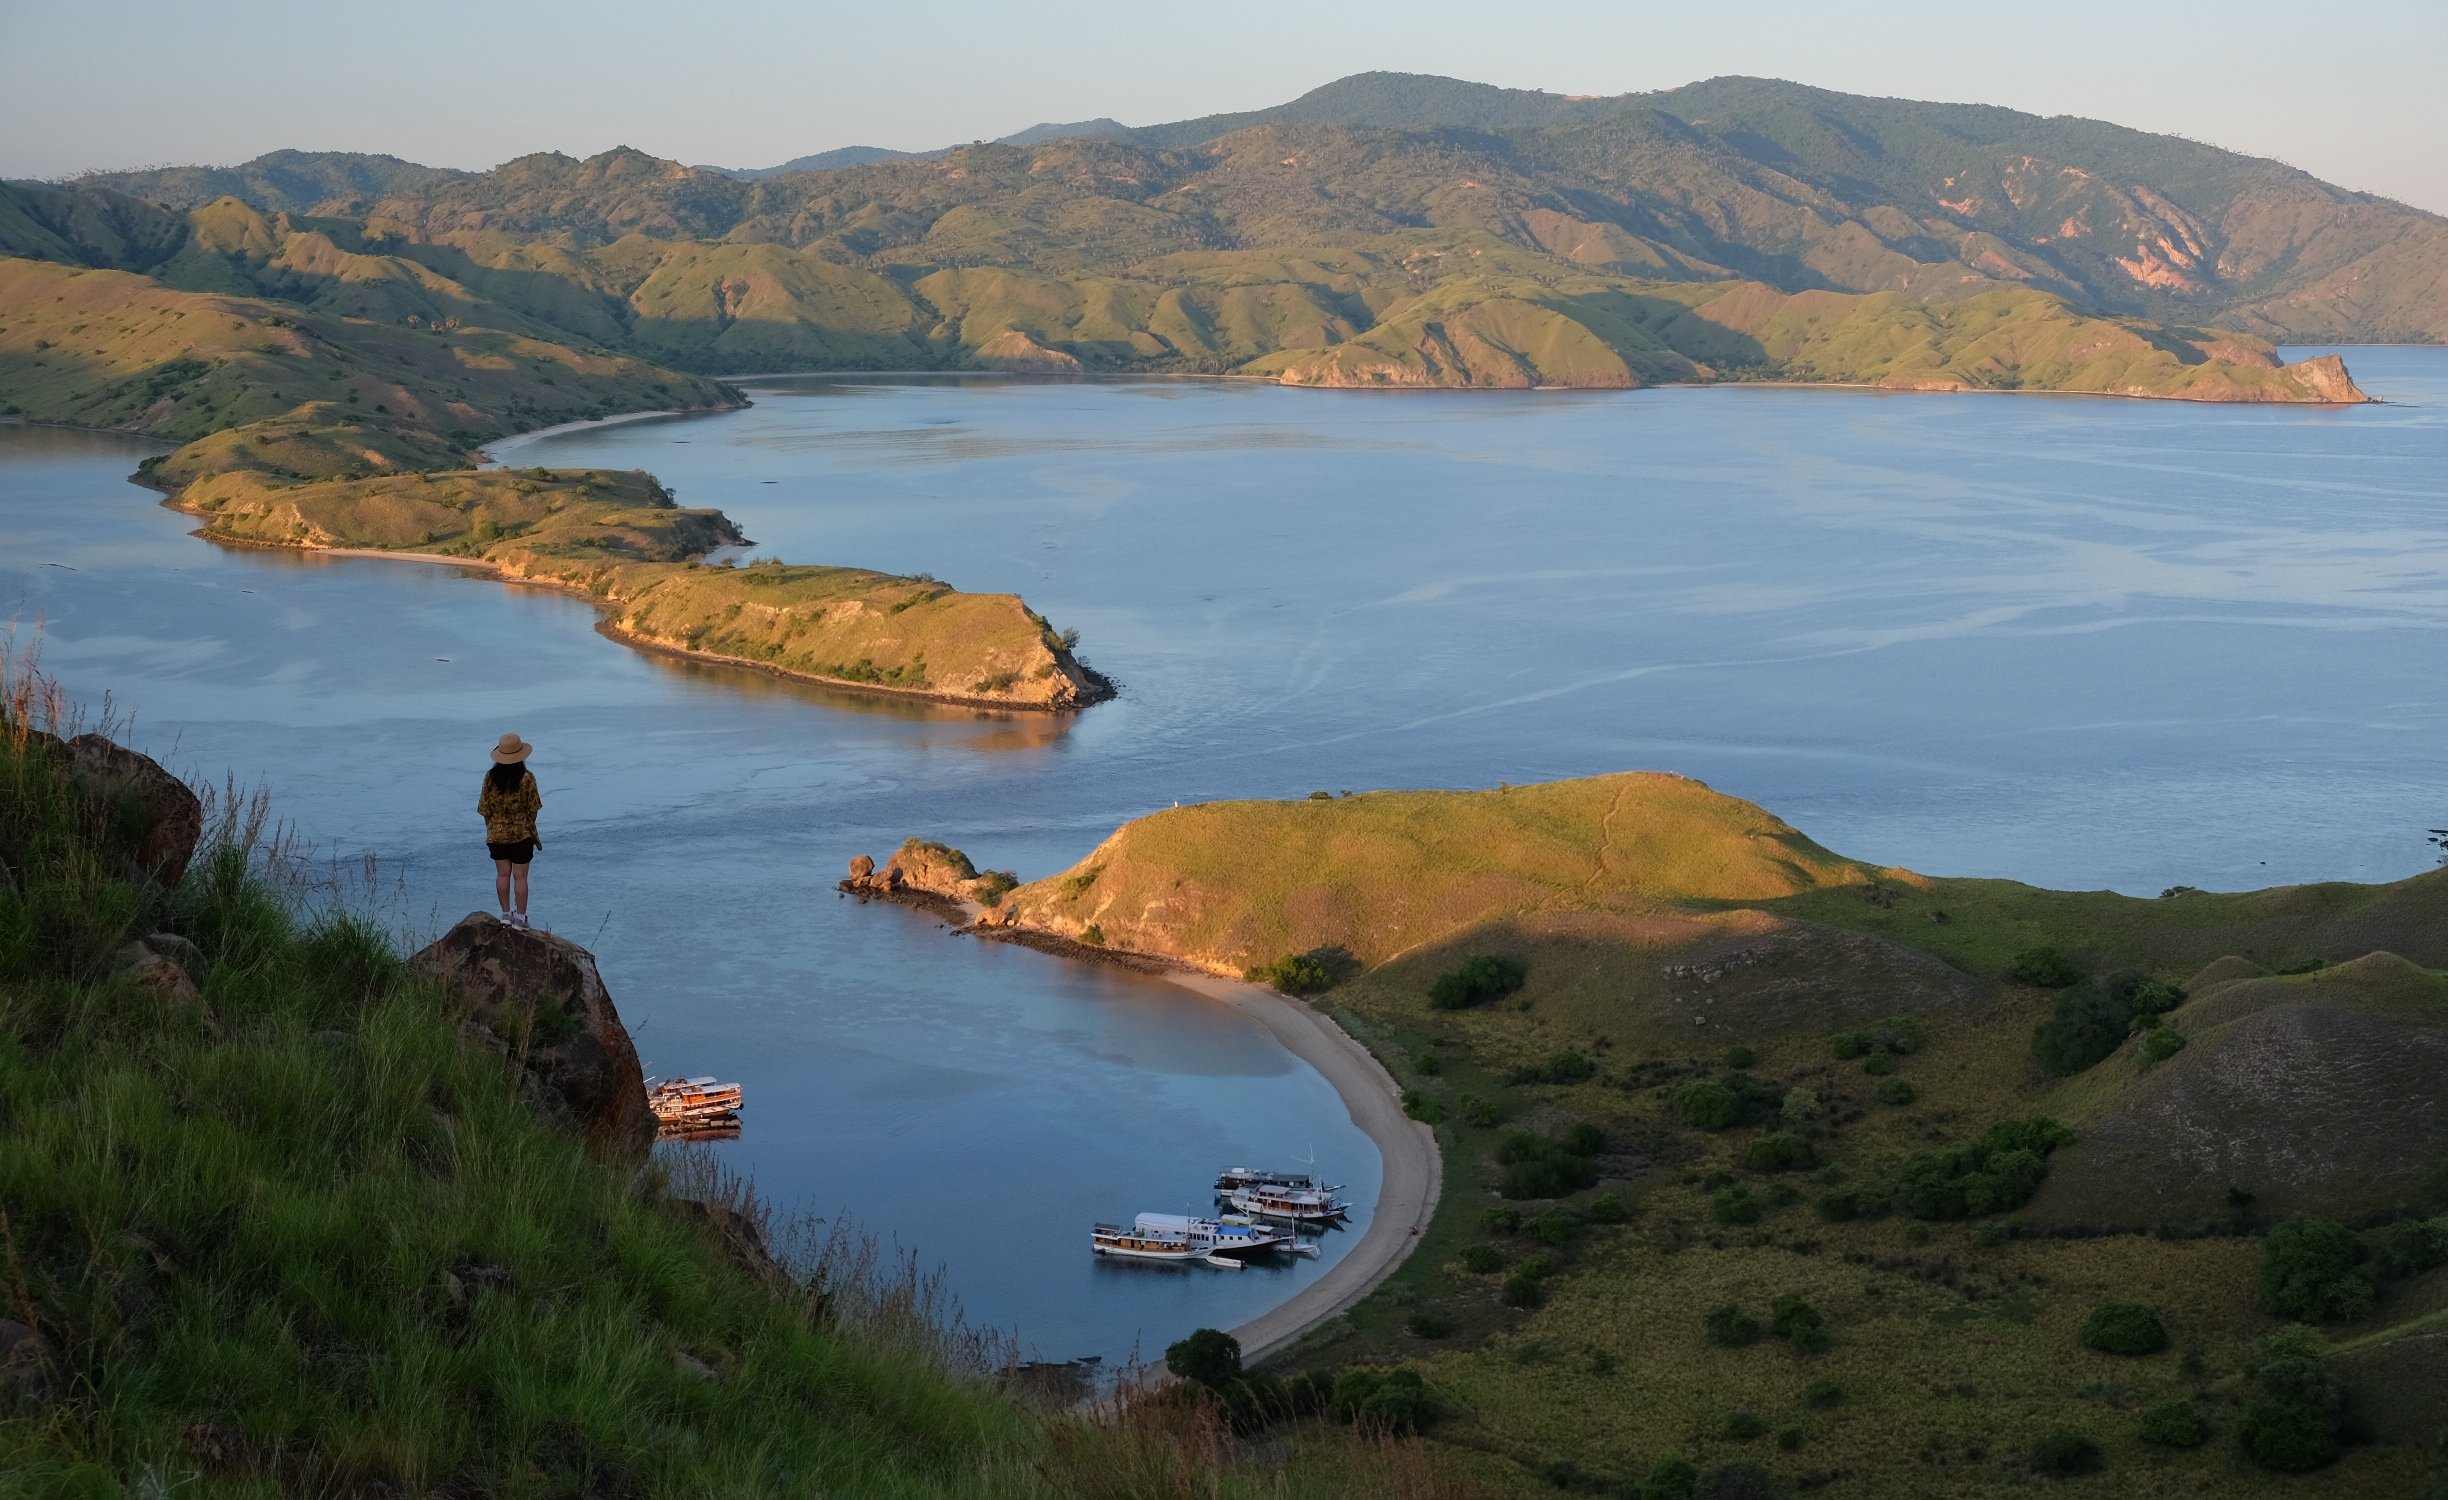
(1411, 1166)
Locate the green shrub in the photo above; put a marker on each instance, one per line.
(1848, 1045)
(1822, 1393)
(1734, 1205)
(1607, 1208)
(1879, 1064)
(2064, 1454)
(1842, 1205)
(1428, 1065)
(1482, 1260)
(1429, 1325)
(1484, 1113)
(1571, 1065)
(1670, 1479)
(1999, 1171)
(1792, 1436)
(1896, 1091)
(2311, 1271)
(1481, 978)
(1500, 1220)
(2124, 1328)
(1739, 1058)
(1729, 1325)
(2416, 1245)
(1295, 974)
(2175, 1424)
(1735, 1099)
(2093, 1019)
(1521, 1289)
(1557, 1226)
(2161, 1043)
(1536, 1167)
(1582, 1139)
(1797, 1322)
(1422, 1108)
(1740, 1426)
(1093, 935)
(1780, 1153)
(2286, 1437)
(2044, 968)
(1208, 1357)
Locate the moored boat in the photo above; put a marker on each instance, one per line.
(1288, 1204)
(1140, 1242)
(1233, 1179)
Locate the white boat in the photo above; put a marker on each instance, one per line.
(1232, 1235)
(1288, 1204)
(1142, 1243)
(1186, 1237)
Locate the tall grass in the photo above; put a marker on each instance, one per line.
(294, 1238)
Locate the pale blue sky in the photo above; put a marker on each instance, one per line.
(2352, 93)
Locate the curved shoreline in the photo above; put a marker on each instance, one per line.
(1411, 1167)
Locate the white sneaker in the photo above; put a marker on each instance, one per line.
(518, 919)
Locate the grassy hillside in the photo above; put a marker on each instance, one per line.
(291, 1226)
(1797, 187)
(1684, 1063)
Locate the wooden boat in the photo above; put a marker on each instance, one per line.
(1233, 1179)
(1288, 1204)
(1141, 1243)
(1222, 1243)
(693, 1108)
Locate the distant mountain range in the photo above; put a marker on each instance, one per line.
(1745, 178)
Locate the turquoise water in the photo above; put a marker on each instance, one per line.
(2078, 642)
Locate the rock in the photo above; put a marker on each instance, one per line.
(926, 866)
(541, 997)
(689, 1364)
(155, 820)
(861, 867)
(169, 982)
(176, 949)
(743, 1244)
(26, 1374)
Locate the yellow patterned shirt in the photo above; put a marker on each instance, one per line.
(510, 817)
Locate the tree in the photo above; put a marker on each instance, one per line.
(2311, 1270)
(1209, 1357)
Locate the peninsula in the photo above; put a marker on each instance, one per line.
(1928, 1129)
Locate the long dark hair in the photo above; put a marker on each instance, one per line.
(506, 778)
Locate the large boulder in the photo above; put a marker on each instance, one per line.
(542, 999)
(153, 819)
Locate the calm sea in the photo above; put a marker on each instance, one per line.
(2077, 642)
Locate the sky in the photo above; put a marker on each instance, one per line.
(2353, 94)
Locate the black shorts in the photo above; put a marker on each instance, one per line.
(518, 853)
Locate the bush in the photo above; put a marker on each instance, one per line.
(1780, 1153)
(1093, 935)
(2175, 1424)
(2286, 1437)
(1735, 1099)
(1797, 1322)
(1740, 1480)
(1843, 1205)
(1428, 1065)
(1396, 1401)
(1896, 1091)
(1734, 1205)
(2044, 968)
(1208, 1357)
(1606, 1208)
(1739, 1058)
(1999, 1171)
(1536, 1167)
(1521, 1289)
(2311, 1272)
(1299, 974)
(1501, 1220)
(2091, 1021)
(1482, 977)
(1557, 1226)
(2124, 1328)
(2064, 1454)
(1571, 1065)
(1729, 1325)
(1670, 1479)
(1822, 1393)
(1879, 1064)
(1800, 1109)
(1482, 1260)
(1582, 1139)
(2416, 1245)
(1740, 1427)
(1422, 1108)
(2162, 1042)
(1484, 1113)
(1429, 1325)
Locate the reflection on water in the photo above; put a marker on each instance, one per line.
(2078, 642)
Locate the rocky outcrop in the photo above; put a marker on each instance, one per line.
(1015, 351)
(164, 963)
(2324, 378)
(539, 999)
(152, 820)
(923, 872)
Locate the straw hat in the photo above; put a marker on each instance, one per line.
(511, 750)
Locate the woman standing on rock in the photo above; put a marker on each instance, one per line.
(509, 803)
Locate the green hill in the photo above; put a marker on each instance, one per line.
(1800, 188)
(1742, 1167)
